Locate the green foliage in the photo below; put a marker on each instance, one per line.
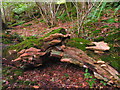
(71, 10)
(20, 8)
(105, 26)
(104, 83)
(66, 75)
(101, 9)
(18, 23)
(62, 17)
(111, 20)
(97, 11)
(19, 11)
(42, 21)
(116, 9)
(87, 75)
(61, 1)
(91, 80)
(96, 31)
(27, 25)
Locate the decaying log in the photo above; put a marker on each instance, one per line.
(100, 68)
(55, 53)
(53, 48)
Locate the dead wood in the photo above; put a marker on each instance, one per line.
(53, 47)
(101, 69)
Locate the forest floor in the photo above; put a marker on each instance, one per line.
(38, 28)
(53, 74)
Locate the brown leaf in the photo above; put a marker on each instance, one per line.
(35, 86)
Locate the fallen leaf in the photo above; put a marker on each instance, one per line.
(35, 86)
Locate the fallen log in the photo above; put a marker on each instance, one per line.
(100, 69)
(52, 47)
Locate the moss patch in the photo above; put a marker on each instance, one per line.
(27, 44)
(99, 39)
(113, 37)
(59, 30)
(78, 43)
(31, 42)
(113, 60)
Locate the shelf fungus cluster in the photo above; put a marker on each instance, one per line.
(99, 47)
(30, 56)
(53, 46)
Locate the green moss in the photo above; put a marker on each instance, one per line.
(99, 39)
(96, 31)
(113, 60)
(59, 30)
(27, 44)
(112, 37)
(84, 41)
(31, 42)
(78, 43)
